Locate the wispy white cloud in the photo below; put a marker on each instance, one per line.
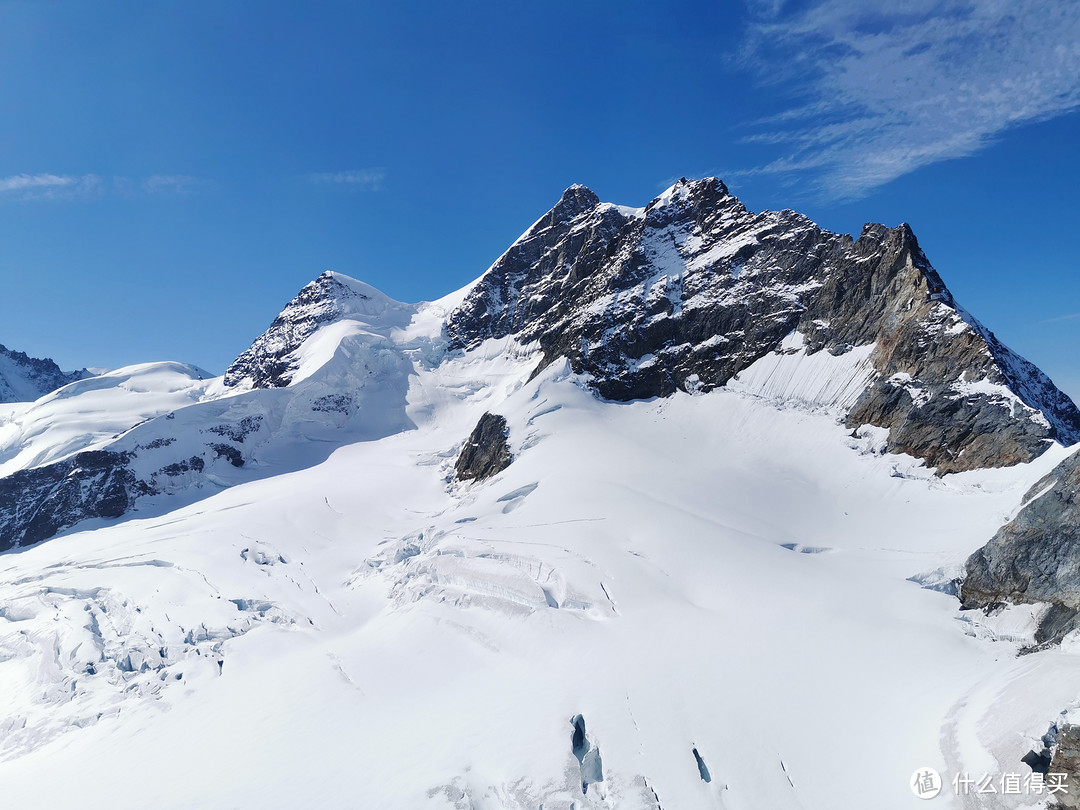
(88, 186)
(1073, 316)
(172, 184)
(21, 182)
(366, 179)
(879, 93)
(50, 186)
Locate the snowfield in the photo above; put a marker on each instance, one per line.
(727, 585)
(58, 425)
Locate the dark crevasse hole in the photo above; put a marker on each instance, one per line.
(578, 744)
(592, 768)
(702, 769)
(1039, 760)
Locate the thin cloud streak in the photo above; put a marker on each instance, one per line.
(21, 182)
(365, 179)
(46, 186)
(172, 184)
(883, 93)
(50, 186)
(1074, 316)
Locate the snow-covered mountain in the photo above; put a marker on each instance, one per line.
(638, 519)
(24, 378)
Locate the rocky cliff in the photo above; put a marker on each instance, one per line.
(1036, 556)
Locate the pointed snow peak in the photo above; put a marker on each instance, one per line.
(580, 190)
(329, 285)
(341, 289)
(332, 297)
(680, 190)
(576, 202)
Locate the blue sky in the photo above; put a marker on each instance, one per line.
(172, 173)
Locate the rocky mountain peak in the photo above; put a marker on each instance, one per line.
(708, 188)
(271, 361)
(694, 289)
(25, 379)
(575, 200)
(265, 364)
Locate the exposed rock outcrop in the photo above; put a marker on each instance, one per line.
(1036, 556)
(1067, 761)
(1056, 758)
(689, 291)
(486, 452)
(37, 503)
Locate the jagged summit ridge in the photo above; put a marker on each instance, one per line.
(24, 378)
(696, 289)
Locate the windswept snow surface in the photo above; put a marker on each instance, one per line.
(714, 584)
(86, 414)
(791, 377)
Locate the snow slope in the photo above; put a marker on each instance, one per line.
(729, 573)
(164, 429)
(89, 413)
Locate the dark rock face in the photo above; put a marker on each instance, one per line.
(40, 502)
(31, 377)
(693, 289)
(1036, 556)
(486, 452)
(266, 364)
(227, 451)
(239, 431)
(37, 503)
